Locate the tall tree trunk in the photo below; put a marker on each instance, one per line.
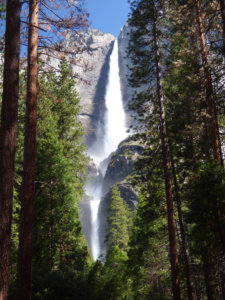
(8, 131)
(213, 119)
(167, 175)
(210, 288)
(215, 140)
(182, 235)
(28, 189)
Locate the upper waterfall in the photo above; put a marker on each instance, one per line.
(114, 131)
(114, 128)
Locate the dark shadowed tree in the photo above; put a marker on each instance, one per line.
(27, 198)
(8, 132)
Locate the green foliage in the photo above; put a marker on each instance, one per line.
(119, 222)
(148, 265)
(206, 202)
(206, 194)
(110, 281)
(189, 134)
(59, 243)
(60, 252)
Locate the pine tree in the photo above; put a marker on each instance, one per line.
(148, 266)
(62, 24)
(8, 133)
(147, 33)
(28, 188)
(206, 195)
(118, 222)
(59, 244)
(209, 89)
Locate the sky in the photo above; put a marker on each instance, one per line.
(108, 16)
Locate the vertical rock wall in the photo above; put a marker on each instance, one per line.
(92, 69)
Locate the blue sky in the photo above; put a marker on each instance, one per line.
(108, 15)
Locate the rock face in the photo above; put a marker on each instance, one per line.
(92, 66)
(121, 164)
(119, 170)
(88, 53)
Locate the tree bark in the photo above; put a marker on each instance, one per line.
(9, 116)
(167, 175)
(28, 188)
(213, 116)
(215, 139)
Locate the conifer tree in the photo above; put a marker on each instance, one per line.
(118, 222)
(209, 89)
(206, 195)
(62, 25)
(27, 201)
(8, 133)
(148, 31)
(148, 267)
(59, 187)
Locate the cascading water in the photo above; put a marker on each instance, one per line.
(114, 133)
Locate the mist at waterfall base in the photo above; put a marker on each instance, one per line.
(107, 140)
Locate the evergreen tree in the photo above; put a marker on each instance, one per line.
(148, 267)
(8, 131)
(146, 20)
(206, 205)
(28, 188)
(118, 222)
(60, 251)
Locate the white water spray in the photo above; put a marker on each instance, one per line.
(115, 130)
(114, 133)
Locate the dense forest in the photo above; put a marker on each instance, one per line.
(173, 245)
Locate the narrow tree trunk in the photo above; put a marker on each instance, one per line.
(210, 290)
(183, 235)
(167, 175)
(215, 140)
(8, 131)
(27, 201)
(213, 116)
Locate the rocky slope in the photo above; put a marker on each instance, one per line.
(119, 172)
(121, 163)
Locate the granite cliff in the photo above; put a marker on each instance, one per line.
(88, 53)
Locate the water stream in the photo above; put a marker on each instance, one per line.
(114, 133)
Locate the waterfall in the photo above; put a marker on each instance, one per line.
(114, 132)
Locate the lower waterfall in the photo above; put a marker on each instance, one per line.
(114, 131)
